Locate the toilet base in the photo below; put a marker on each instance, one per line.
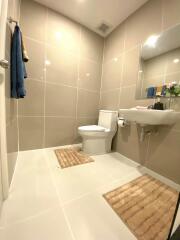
(96, 146)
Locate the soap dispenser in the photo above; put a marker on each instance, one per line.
(158, 105)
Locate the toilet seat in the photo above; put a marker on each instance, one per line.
(97, 139)
(92, 128)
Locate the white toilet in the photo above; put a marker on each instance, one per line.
(97, 139)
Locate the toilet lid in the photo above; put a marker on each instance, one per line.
(92, 128)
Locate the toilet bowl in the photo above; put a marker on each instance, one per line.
(97, 139)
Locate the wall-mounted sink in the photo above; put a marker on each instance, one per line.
(150, 116)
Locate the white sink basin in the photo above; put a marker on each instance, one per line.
(149, 116)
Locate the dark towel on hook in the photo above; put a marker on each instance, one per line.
(18, 70)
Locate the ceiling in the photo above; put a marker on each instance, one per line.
(165, 42)
(92, 13)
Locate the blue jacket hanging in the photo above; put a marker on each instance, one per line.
(18, 71)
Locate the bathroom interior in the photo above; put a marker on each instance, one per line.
(89, 119)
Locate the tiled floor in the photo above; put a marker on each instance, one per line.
(49, 203)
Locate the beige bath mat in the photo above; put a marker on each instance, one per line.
(146, 206)
(69, 157)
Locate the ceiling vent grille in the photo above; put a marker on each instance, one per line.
(103, 28)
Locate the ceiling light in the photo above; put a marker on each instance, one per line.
(151, 41)
(115, 59)
(58, 35)
(176, 60)
(87, 74)
(47, 62)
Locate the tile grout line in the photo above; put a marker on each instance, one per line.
(68, 50)
(45, 57)
(77, 88)
(122, 68)
(59, 198)
(101, 80)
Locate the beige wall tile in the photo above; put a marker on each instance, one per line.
(112, 74)
(62, 67)
(109, 100)
(59, 131)
(30, 133)
(114, 43)
(91, 45)
(164, 154)
(62, 32)
(172, 77)
(36, 53)
(127, 143)
(89, 75)
(60, 100)
(33, 103)
(171, 66)
(33, 20)
(155, 66)
(127, 97)
(131, 67)
(144, 22)
(87, 105)
(171, 11)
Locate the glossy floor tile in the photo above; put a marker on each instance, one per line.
(47, 202)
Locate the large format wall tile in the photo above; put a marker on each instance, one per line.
(89, 75)
(36, 53)
(171, 11)
(91, 45)
(61, 67)
(144, 22)
(127, 143)
(31, 133)
(131, 67)
(114, 43)
(87, 103)
(112, 74)
(33, 20)
(33, 103)
(62, 32)
(59, 131)
(164, 153)
(110, 100)
(127, 97)
(60, 100)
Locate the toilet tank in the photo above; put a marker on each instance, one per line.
(108, 119)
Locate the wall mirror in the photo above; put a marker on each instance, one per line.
(159, 68)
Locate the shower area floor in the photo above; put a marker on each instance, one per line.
(50, 203)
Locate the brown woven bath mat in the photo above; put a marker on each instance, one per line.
(146, 206)
(68, 157)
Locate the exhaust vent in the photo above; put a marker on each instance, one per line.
(103, 28)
